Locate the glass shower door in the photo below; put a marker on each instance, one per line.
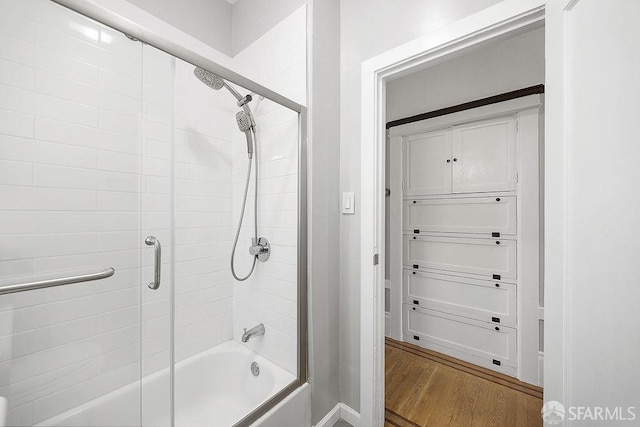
(80, 193)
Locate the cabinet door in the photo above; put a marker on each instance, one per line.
(483, 258)
(426, 170)
(478, 215)
(484, 156)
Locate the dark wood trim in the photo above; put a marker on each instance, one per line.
(532, 90)
(397, 420)
(470, 368)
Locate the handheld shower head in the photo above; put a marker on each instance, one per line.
(208, 78)
(244, 124)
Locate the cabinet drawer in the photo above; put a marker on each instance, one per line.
(462, 215)
(476, 342)
(475, 299)
(482, 257)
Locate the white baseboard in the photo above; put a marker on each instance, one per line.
(349, 415)
(340, 411)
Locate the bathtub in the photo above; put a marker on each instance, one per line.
(214, 388)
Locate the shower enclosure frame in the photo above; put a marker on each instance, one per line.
(134, 30)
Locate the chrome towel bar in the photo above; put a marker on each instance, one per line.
(30, 286)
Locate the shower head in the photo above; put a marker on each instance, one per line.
(216, 82)
(208, 78)
(244, 124)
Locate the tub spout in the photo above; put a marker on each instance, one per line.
(253, 332)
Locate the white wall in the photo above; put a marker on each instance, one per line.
(369, 28)
(503, 66)
(277, 59)
(251, 19)
(324, 256)
(207, 20)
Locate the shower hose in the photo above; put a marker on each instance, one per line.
(255, 212)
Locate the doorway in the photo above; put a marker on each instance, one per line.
(461, 38)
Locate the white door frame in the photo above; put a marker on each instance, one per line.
(505, 19)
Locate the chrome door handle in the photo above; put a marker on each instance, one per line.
(157, 249)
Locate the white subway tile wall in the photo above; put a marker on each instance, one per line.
(276, 60)
(203, 145)
(70, 197)
(102, 143)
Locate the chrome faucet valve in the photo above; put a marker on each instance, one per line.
(260, 249)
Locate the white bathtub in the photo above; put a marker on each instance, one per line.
(215, 388)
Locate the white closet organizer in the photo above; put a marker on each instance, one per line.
(460, 241)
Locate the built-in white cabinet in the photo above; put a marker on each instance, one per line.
(490, 346)
(475, 157)
(486, 258)
(428, 160)
(468, 224)
(484, 156)
(488, 216)
(488, 301)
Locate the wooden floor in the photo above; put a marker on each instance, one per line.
(425, 388)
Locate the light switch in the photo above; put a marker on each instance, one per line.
(348, 203)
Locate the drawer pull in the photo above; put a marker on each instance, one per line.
(497, 362)
(495, 319)
(416, 266)
(416, 302)
(496, 277)
(417, 338)
(495, 234)
(416, 231)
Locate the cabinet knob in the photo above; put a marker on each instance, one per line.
(455, 159)
(497, 242)
(448, 160)
(497, 329)
(497, 199)
(497, 285)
